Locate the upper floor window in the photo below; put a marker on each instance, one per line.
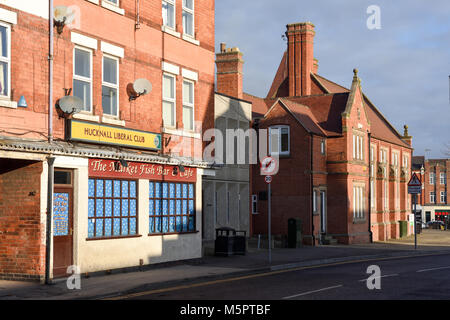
(395, 163)
(383, 160)
(406, 165)
(82, 77)
(5, 60)
(168, 13)
(432, 177)
(279, 140)
(110, 86)
(169, 100)
(115, 2)
(443, 178)
(188, 105)
(432, 197)
(188, 17)
(443, 197)
(358, 147)
(372, 161)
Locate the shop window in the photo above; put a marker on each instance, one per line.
(112, 208)
(171, 207)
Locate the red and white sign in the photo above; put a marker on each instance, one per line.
(269, 166)
(101, 168)
(414, 185)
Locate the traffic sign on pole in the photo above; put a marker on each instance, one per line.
(414, 185)
(268, 179)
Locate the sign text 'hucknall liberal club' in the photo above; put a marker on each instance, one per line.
(104, 134)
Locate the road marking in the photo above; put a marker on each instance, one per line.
(314, 291)
(385, 276)
(150, 292)
(432, 269)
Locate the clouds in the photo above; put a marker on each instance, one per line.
(404, 66)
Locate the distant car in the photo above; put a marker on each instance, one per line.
(435, 225)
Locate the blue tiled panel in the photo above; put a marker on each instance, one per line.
(151, 190)
(108, 207)
(117, 227)
(157, 190)
(157, 207)
(151, 207)
(125, 212)
(171, 207)
(178, 223)
(91, 208)
(185, 191)
(191, 207)
(157, 225)
(191, 223)
(165, 207)
(151, 225)
(99, 208)
(60, 214)
(172, 190)
(91, 228)
(191, 191)
(124, 189)
(108, 227)
(133, 208)
(165, 190)
(165, 224)
(132, 189)
(116, 188)
(172, 224)
(133, 226)
(108, 189)
(99, 189)
(116, 207)
(185, 223)
(178, 193)
(99, 227)
(178, 211)
(91, 189)
(124, 226)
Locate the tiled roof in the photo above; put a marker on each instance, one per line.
(259, 105)
(304, 115)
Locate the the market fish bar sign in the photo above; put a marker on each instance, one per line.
(103, 134)
(101, 168)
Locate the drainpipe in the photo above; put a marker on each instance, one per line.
(50, 159)
(312, 192)
(370, 192)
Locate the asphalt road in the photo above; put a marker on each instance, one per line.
(424, 278)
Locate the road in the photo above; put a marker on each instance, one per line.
(426, 277)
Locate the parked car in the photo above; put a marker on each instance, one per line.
(435, 225)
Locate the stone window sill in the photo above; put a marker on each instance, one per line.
(113, 121)
(170, 31)
(182, 133)
(8, 103)
(190, 39)
(86, 116)
(112, 7)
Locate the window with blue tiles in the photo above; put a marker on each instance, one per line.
(112, 208)
(171, 207)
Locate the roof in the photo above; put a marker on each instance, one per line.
(326, 106)
(304, 115)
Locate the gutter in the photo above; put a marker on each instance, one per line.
(370, 193)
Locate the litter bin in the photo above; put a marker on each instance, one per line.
(229, 242)
(294, 233)
(403, 228)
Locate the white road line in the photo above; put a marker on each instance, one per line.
(309, 292)
(432, 269)
(385, 276)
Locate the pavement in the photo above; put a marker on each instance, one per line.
(431, 242)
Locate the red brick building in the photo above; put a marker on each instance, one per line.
(127, 168)
(433, 202)
(343, 168)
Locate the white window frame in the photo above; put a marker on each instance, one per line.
(443, 178)
(81, 78)
(111, 85)
(7, 60)
(189, 105)
(171, 100)
(173, 3)
(358, 202)
(406, 164)
(432, 197)
(358, 147)
(432, 178)
(314, 200)
(192, 12)
(443, 197)
(322, 147)
(280, 153)
(383, 160)
(395, 162)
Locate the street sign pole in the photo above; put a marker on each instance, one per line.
(270, 225)
(415, 223)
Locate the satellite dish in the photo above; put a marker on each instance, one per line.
(141, 87)
(70, 105)
(62, 16)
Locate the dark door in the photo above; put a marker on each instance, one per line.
(62, 230)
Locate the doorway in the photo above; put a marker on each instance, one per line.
(62, 222)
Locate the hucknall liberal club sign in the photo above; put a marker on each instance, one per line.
(104, 134)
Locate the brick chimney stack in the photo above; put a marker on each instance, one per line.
(230, 71)
(300, 38)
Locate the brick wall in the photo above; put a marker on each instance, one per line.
(22, 252)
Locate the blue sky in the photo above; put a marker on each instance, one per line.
(404, 66)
